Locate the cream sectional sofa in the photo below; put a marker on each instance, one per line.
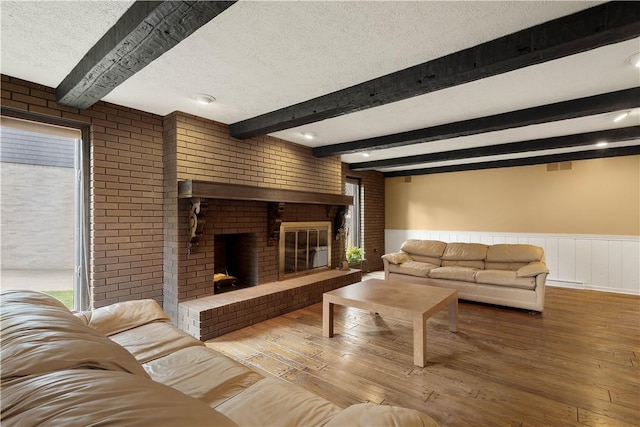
(505, 274)
(126, 365)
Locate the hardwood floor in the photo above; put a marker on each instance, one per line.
(577, 364)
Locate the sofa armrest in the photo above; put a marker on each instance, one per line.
(122, 316)
(532, 269)
(397, 257)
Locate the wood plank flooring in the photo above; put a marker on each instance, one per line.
(578, 364)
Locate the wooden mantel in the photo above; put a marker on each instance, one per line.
(212, 190)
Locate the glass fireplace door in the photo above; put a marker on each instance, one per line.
(304, 247)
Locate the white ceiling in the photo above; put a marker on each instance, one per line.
(259, 56)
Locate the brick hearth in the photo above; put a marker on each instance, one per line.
(216, 315)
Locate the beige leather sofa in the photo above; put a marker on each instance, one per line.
(125, 365)
(505, 274)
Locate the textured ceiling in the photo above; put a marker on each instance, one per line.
(259, 56)
(43, 40)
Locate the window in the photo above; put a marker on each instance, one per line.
(352, 219)
(44, 217)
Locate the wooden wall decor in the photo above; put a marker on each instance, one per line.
(339, 220)
(274, 219)
(197, 209)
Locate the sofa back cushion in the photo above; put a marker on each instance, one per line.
(39, 335)
(464, 255)
(123, 316)
(154, 340)
(424, 250)
(512, 256)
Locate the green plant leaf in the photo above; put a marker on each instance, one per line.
(355, 255)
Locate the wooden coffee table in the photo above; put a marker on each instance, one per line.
(399, 300)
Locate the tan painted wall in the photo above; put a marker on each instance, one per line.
(600, 196)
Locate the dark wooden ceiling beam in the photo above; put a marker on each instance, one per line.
(529, 161)
(597, 104)
(598, 26)
(145, 31)
(565, 141)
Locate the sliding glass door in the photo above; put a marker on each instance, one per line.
(352, 219)
(43, 198)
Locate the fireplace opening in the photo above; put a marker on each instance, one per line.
(234, 261)
(305, 247)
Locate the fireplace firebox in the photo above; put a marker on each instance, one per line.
(235, 256)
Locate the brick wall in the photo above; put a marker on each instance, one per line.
(205, 151)
(175, 228)
(139, 227)
(126, 191)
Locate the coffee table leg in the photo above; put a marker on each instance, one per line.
(327, 318)
(453, 315)
(419, 341)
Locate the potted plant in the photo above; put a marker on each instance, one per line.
(355, 256)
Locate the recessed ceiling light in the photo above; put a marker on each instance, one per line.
(308, 135)
(634, 60)
(602, 144)
(204, 99)
(365, 154)
(621, 116)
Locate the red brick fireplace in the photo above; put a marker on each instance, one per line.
(201, 151)
(246, 222)
(221, 220)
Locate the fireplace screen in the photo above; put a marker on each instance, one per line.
(304, 247)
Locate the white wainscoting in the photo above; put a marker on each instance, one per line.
(598, 262)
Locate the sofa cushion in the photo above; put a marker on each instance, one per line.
(202, 373)
(513, 266)
(505, 278)
(274, 402)
(412, 268)
(514, 253)
(424, 250)
(532, 269)
(470, 255)
(454, 273)
(397, 257)
(121, 316)
(86, 397)
(154, 340)
(462, 263)
(372, 415)
(40, 336)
